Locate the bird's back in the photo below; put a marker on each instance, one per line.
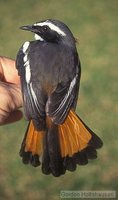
(54, 62)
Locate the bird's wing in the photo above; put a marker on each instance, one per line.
(63, 99)
(34, 100)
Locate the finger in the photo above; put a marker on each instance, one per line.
(10, 96)
(12, 117)
(10, 101)
(16, 96)
(8, 70)
(1, 72)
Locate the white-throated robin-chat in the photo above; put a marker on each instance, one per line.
(49, 69)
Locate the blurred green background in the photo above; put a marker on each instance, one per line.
(95, 23)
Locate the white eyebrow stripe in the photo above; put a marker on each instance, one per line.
(51, 26)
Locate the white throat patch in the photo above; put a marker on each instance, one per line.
(38, 37)
(51, 26)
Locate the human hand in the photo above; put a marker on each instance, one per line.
(10, 92)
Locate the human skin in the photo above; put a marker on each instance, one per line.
(10, 92)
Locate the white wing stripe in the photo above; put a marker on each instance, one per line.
(25, 46)
(72, 84)
(30, 96)
(28, 73)
(26, 62)
(34, 97)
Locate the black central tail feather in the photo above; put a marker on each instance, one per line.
(52, 162)
(45, 158)
(56, 161)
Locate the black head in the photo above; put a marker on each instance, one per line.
(53, 31)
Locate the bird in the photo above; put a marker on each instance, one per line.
(56, 139)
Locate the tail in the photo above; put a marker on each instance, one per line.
(60, 147)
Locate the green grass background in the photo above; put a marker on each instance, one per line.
(95, 23)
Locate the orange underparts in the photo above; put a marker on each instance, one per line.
(73, 135)
(33, 140)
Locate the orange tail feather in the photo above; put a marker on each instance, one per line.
(31, 148)
(75, 137)
(61, 147)
(34, 140)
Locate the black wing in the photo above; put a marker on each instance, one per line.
(33, 97)
(64, 97)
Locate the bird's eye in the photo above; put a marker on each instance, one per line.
(45, 28)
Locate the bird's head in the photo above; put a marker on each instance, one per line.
(53, 31)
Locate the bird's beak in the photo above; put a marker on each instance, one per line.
(27, 28)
